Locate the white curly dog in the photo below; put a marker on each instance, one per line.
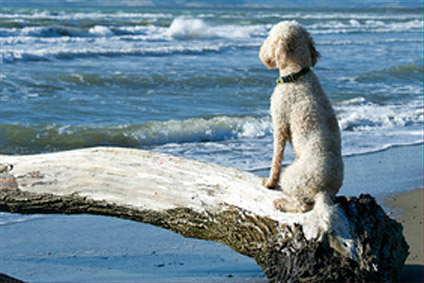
(302, 115)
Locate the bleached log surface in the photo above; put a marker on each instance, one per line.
(351, 241)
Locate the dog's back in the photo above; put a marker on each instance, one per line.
(313, 132)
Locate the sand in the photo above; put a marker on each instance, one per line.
(407, 208)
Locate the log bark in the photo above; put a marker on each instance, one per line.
(351, 240)
(7, 279)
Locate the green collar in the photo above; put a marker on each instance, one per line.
(292, 77)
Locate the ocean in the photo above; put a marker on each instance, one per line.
(189, 82)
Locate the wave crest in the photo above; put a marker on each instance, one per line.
(57, 53)
(359, 115)
(183, 28)
(47, 137)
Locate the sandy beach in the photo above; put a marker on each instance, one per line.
(407, 208)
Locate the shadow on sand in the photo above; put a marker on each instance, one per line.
(412, 273)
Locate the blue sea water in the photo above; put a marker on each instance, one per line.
(189, 82)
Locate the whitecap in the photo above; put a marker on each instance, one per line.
(186, 28)
(361, 116)
(183, 28)
(100, 31)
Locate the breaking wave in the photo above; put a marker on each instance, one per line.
(360, 26)
(35, 35)
(183, 28)
(48, 54)
(354, 115)
(51, 137)
(359, 115)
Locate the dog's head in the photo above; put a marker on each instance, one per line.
(288, 43)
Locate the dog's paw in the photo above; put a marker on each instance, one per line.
(281, 204)
(286, 205)
(268, 184)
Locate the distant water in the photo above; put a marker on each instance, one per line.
(190, 82)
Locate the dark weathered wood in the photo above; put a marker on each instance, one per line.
(358, 243)
(7, 279)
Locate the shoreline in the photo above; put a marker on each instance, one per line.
(95, 248)
(382, 174)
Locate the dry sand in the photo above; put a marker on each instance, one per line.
(409, 211)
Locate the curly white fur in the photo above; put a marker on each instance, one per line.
(302, 115)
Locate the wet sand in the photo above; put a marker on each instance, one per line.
(407, 208)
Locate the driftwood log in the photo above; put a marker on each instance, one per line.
(352, 240)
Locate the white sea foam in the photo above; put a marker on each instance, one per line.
(104, 47)
(200, 129)
(61, 15)
(368, 41)
(100, 31)
(353, 25)
(182, 28)
(358, 115)
(59, 41)
(366, 127)
(192, 28)
(47, 31)
(339, 16)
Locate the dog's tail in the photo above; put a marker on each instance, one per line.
(322, 201)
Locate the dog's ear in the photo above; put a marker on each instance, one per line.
(266, 55)
(315, 55)
(284, 49)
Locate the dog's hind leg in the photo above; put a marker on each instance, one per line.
(297, 199)
(298, 185)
